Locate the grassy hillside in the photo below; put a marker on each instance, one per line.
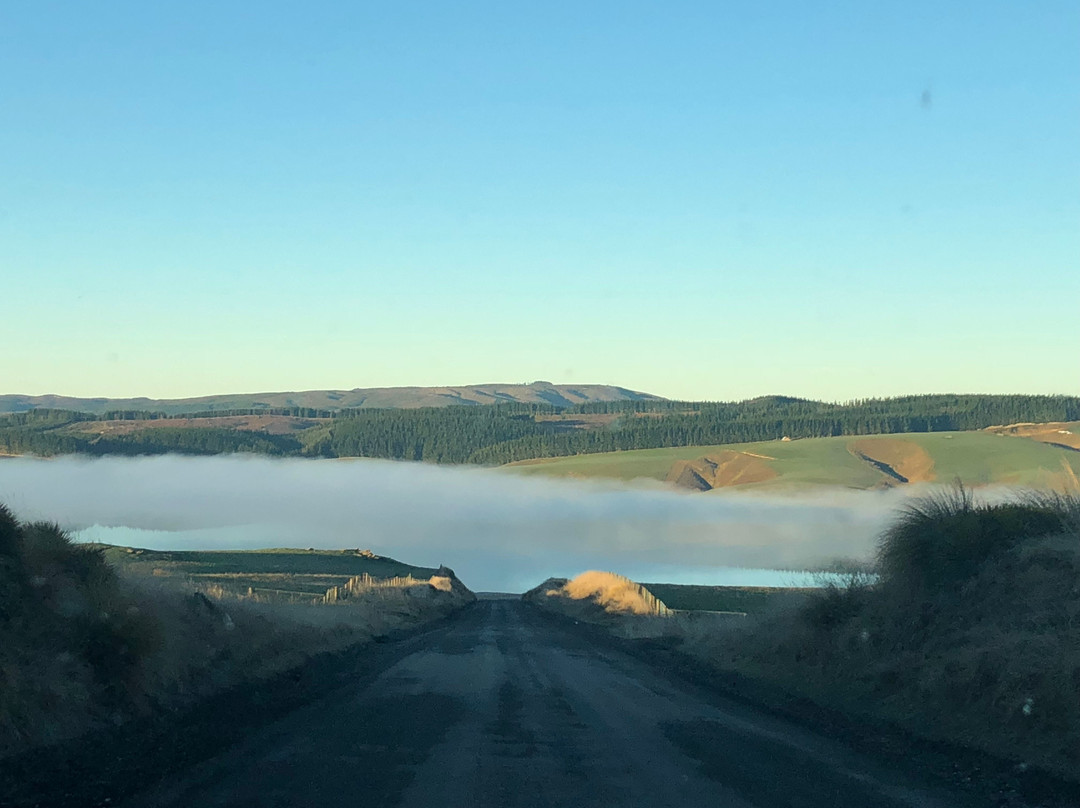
(976, 458)
(268, 575)
(560, 395)
(745, 599)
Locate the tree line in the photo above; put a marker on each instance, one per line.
(502, 433)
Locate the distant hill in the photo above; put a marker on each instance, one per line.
(559, 395)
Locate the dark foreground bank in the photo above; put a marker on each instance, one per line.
(500, 705)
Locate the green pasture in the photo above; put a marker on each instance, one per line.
(279, 573)
(748, 599)
(273, 561)
(976, 458)
(981, 458)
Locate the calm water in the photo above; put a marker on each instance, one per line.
(493, 572)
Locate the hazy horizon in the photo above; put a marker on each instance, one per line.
(764, 394)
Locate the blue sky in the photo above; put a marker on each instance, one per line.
(697, 199)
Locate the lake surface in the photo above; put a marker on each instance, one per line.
(504, 572)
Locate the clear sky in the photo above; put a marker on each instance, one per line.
(697, 199)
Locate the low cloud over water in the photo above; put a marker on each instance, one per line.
(497, 530)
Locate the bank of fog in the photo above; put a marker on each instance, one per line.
(499, 532)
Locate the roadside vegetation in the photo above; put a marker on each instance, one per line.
(599, 592)
(744, 600)
(605, 597)
(623, 607)
(969, 632)
(85, 643)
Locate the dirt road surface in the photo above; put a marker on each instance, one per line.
(507, 707)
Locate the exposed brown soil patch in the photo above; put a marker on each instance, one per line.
(268, 424)
(665, 413)
(566, 423)
(1066, 435)
(901, 460)
(720, 470)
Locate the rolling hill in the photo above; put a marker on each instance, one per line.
(559, 395)
(976, 458)
(700, 445)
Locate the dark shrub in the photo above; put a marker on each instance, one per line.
(115, 644)
(834, 605)
(9, 533)
(49, 551)
(939, 541)
(12, 576)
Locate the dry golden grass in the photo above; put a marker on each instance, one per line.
(623, 606)
(614, 593)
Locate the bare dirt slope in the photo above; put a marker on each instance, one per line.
(1066, 435)
(902, 460)
(506, 707)
(721, 470)
(269, 424)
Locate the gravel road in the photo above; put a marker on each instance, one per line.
(507, 707)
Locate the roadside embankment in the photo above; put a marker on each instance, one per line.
(83, 647)
(969, 634)
(622, 606)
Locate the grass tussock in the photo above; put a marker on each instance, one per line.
(606, 591)
(942, 540)
(614, 593)
(70, 634)
(970, 633)
(606, 599)
(82, 645)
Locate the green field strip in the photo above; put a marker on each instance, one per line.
(976, 458)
